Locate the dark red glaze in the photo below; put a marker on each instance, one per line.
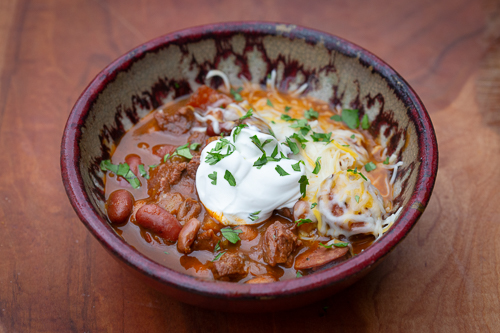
(225, 295)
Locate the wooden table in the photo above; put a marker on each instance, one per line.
(55, 277)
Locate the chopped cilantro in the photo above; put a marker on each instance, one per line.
(336, 117)
(386, 160)
(260, 161)
(302, 221)
(311, 114)
(269, 103)
(281, 172)
(153, 166)
(345, 145)
(353, 136)
(166, 157)
(296, 166)
(302, 125)
(247, 115)
(217, 257)
(231, 234)
(350, 118)
(260, 145)
(293, 146)
(195, 146)
(298, 274)
(217, 246)
(176, 85)
(356, 172)
(317, 167)
(356, 197)
(365, 124)
(340, 244)
(370, 166)
(236, 94)
(299, 137)
(303, 183)
(143, 172)
(166, 252)
(213, 177)
(314, 204)
(275, 152)
(122, 170)
(286, 117)
(215, 155)
(184, 151)
(321, 137)
(254, 216)
(230, 179)
(287, 108)
(237, 130)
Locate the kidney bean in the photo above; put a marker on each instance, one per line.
(158, 220)
(133, 162)
(119, 206)
(187, 235)
(319, 257)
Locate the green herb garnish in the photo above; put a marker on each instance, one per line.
(356, 197)
(336, 117)
(217, 257)
(321, 137)
(247, 115)
(122, 170)
(343, 244)
(311, 114)
(254, 216)
(353, 136)
(269, 103)
(303, 183)
(356, 172)
(287, 108)
(302, 221)
(314, 204)
(153, 166)
(365, 124)
(217, 246)
(231, 234)
(292, 145)
(296, 166)
(230, 179)
(386, 160)
(237, 130)
(236, 94)
(166, 157)
(370, 166)
(298, 274)
(281, 172)
(317, 167)
(195, 146)
(143, 172)
(184, 151)
(213, 177)
(350, 118)
(286, 117)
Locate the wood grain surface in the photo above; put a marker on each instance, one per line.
(444, 277)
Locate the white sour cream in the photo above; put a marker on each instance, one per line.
(256, 189)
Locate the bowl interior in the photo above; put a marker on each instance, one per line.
(175, 65)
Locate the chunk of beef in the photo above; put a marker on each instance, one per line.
(171, 202)
(164, 175)
(198, 137)
(177, 121)
(189, 209)
(278, 244)
(205, 96)
(193, 165)
(206, 240)
(249, 233)
(230, 265)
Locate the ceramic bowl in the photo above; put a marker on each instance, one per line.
(174, 65)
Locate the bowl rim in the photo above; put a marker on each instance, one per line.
(73, 182)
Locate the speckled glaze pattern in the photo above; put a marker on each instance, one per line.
(174, 65)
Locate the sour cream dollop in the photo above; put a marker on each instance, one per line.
(258, 191)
